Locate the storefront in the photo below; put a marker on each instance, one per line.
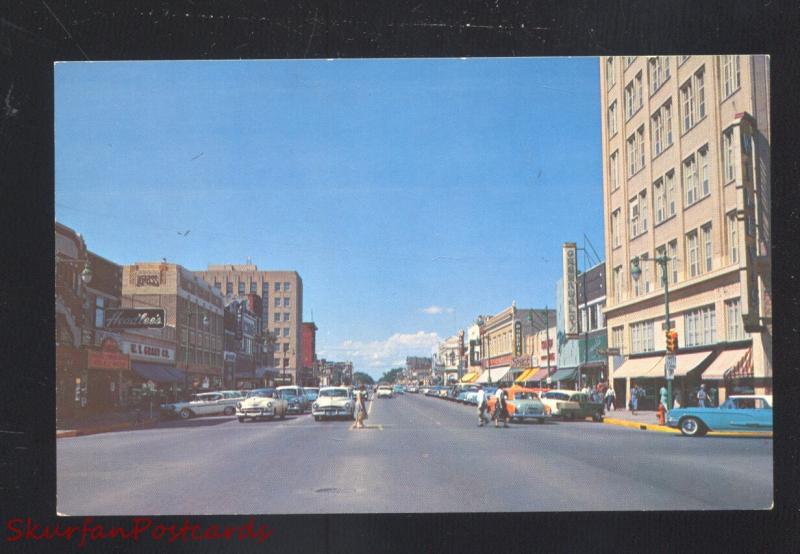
(70, 382)
(731, 372)
(563, 378)
(105, 367)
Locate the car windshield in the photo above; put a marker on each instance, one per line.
(556, 395)
(525, 396)
(333, 393)
(263, 393)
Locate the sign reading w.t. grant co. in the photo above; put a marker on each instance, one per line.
(134, 318)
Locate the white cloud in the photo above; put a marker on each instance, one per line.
(377, 356)
(433, 310)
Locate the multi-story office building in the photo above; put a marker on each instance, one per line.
(192, 308)
(686, 174)
(282, 309)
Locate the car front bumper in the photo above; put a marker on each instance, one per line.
(255, 412)
(331, 412)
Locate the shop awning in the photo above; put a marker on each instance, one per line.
(538, 375)
(470, 377)
(563, 375)
(157, 373)
(684, 363)
(524, 375)
(497, 374)
(726, 361)
(640, 367)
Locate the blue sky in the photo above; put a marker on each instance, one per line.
(410, 195)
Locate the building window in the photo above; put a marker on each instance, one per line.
(277, 286)
(636, 151)
(635, 283)
(700, 326)
(672, 252)
(670, 194)
(285, 331)
(733, 238)
(729, 75)
(611, 78)
(633, 96)
(707, 249)
(286, 302)
(228, 287)
(286, 316)
(616, 337)
(634, 216)
(727, 155)
(642, 339)
(613, 171)
(253, 287)
(691, 249)
(99, 312)
(593, 317)
(241, 287)
(643, 210)
(661, 251)
(660, 199)
(682, 59)
(631, 154)
(287, 287)
(640, 145)
(277, 302)
(612, 119)
(618, 284)
(693, 100)
(615, 228)
(733, 318)
(276, 317)
(662, 129)
(645, 265)
(601, 317)
(629, 60)
(285, 346)
(264, 289)
(705, 187)
(659, 72)
(690, 179)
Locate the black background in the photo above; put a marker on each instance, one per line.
(34, 34)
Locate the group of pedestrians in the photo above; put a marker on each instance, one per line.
(500, 412)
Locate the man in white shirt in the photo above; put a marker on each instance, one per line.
(481, 398)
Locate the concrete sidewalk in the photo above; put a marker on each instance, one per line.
(105, 423)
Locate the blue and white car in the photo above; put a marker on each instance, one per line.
(750, 412)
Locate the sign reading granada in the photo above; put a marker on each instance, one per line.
(135, 318)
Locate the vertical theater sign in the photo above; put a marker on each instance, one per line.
(570, 292)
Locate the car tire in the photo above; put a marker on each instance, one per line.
(316, 418)
(241, 419)
(229, 410)
(597, 417)
(692, 427)
(185, 413)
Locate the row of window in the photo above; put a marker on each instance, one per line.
(696, 184)
(700, 328)
(287, 287)
(277, 316)
(597, 319)
(699, 257)
(205, 358)
(658, 69)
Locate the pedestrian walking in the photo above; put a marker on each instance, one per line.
(634, 401)
(702, 397)
(610, 399)
(501, 408)
(481, 399)
(361, 407)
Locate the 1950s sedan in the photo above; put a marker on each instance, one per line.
(333, 402)
(746, 412)
(261, 403)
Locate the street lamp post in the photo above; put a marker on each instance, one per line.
(636, 272)
(187, 318)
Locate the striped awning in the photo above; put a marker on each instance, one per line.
(725, 362)
(525, 375)
(470, 377)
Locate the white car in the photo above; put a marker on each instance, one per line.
(384, 391)
(261, 403)
(333, 402)
(557, 400)
(205, 403)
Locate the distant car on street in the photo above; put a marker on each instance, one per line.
(413, 389)
(747, 412)
(262, 403)
(333, 402)
(384, 391)
(205, 403)
(296, 398)
(398, 389)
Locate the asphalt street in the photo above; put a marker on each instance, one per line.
(417, 454)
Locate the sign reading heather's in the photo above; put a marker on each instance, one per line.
(570, 269)
(134, 318)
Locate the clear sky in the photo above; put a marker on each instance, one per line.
(410, 195)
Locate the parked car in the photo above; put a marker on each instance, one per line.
(205, 403)
(333, 402)
(747, 412)
(296, 398)
(523, 403)
(413, 389)
(261, 403)
(384, 391)
(398, 389)
(568, 404)
(311, 393)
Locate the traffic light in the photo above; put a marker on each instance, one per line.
(672, 341)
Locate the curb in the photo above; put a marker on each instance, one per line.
(69, 433)
(665, 429)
